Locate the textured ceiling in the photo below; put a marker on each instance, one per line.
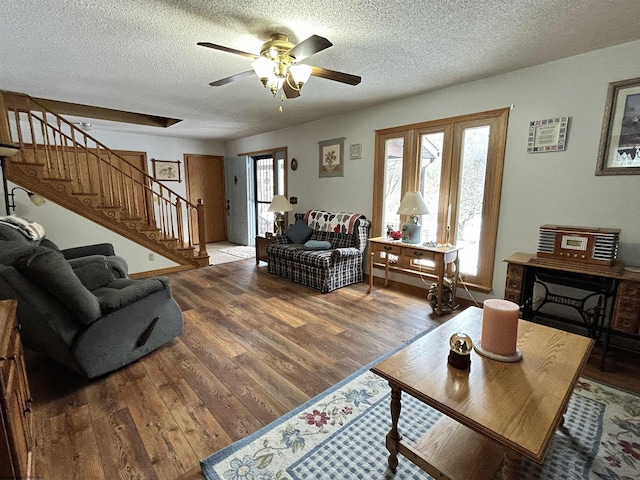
(141, 55)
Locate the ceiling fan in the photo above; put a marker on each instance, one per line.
(278, 64)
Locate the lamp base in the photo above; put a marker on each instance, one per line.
(412, 231)
(278, 223)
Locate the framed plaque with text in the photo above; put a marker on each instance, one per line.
(547, 135)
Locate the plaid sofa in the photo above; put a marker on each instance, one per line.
(324, 270)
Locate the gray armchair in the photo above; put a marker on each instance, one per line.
(85, 312)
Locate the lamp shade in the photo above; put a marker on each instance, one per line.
(300, 73)
(36, 199)
(280, 204)
(263, 68)
(413, 204)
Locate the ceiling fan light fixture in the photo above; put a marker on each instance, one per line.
(300, 74)
(264, 69)
(275, 84)
(277, 63)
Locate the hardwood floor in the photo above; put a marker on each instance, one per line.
(254, 347)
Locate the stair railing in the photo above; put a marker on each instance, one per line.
(97, 175)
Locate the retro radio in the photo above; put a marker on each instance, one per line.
(582, 244)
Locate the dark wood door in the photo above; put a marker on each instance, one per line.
(204, 175)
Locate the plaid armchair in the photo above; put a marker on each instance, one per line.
(328, 269)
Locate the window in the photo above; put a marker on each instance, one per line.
(270, 172)
(457, 165)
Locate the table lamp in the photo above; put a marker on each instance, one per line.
(412, 204)
(279, 205)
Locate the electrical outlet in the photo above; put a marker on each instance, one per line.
(151, 257)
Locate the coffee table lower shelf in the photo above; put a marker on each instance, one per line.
(451, 451)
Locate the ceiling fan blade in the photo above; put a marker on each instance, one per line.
(335, 76)
(227, 49)
(308, 47)
(288, 90)
(232, 78)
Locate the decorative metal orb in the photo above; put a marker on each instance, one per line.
(461, 343)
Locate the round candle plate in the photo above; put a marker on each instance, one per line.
(494, 356)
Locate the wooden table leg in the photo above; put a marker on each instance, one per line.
(371, 255)
(440, 273)
(394, 437)
(386, 269)
(511, 465)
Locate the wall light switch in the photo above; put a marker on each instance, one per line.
(151, 257)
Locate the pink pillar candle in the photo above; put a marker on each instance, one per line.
(500, 326)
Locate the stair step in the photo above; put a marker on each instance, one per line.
(29, 164)
(88, 194)
(108, 207)
(55, 179)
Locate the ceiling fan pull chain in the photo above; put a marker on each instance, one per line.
(281, 101)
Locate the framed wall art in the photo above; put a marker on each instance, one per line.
(331, 162)
(166, 170)
(548, 135)
(619, 152)
(356, 151)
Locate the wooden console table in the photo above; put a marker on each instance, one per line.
(417, 260)
(616, 290)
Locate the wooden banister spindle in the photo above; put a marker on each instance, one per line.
(172, 218)
(202, 237)
(79, 172)
(63, 154)
(16, 114)
(5, 131)
(179, 220)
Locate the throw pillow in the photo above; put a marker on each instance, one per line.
(94, 275)
(299, 232)
(317, 245)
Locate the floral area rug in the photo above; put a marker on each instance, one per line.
(341, 435)
(241, 251)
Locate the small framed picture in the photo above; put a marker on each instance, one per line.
(356, 151)
(166, 170)
(331, 158)
(619, 152)
(548, 135)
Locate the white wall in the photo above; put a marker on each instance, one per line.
(557, 188)
(68, 229)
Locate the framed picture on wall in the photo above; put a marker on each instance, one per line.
(166, 170)
(331, 162)
(356, 151)
(619, 152)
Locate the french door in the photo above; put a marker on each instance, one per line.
(457, 165)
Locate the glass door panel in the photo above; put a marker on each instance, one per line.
(431, 145)
(473, 170)
(264, 194)
(394, 153)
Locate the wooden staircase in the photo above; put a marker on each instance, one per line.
(63, 163)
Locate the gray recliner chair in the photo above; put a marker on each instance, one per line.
(84, 311)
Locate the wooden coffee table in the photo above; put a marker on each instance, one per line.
(494, 414)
